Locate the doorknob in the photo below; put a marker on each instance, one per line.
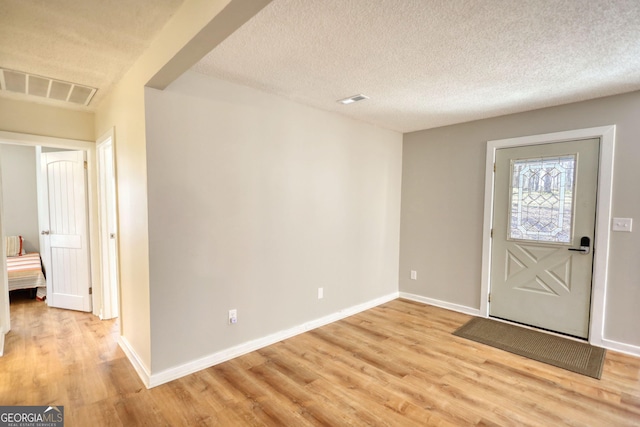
(585, 246)
(45, 232)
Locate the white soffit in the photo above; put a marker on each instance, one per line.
(428, 63)
(89, 42)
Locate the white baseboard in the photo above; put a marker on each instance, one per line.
(632, 350)
(442, 304)
(135, 360)
(230, 353)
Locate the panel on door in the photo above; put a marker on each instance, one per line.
(65, 230)
(543, 228)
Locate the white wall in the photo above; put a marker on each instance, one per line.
(254, 203)
(443, 196)
(19, 194)
(123, 110)
(46, 120)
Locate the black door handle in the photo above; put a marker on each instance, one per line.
(585, 245)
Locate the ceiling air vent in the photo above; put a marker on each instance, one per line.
(352, 99)
(44, 87)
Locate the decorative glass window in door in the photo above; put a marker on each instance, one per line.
(542, 199)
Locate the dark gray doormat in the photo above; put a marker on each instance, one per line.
(564, 353)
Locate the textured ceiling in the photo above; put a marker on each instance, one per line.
(423, 63)
(428, 63)
(90, 42)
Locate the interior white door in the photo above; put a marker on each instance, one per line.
(544, 213)
(108, 229)
(64, 230)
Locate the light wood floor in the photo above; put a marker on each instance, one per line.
(396, 365)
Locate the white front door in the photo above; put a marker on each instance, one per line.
(543, 233)
(64, 230)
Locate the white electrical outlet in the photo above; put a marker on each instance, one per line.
(233, 317)
(414, 275)
(320, 293)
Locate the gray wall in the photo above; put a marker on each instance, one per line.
(254, 203)
(19, 194)
(443, 199)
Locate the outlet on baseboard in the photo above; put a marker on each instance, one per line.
(414, 275)
(233, 316)
(320, 293)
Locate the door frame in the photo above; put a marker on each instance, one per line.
(94, 248)
(606, 134)
(5, 315)
(109, 309)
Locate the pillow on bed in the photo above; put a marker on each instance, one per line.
(14, 245)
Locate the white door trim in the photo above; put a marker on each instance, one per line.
(90, 148)
(5, 315)
(109, 290)
(603, 216)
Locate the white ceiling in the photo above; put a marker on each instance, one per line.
(89, 42)
(423, 63)
(428, 63)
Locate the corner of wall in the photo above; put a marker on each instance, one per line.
(140, 367)
(442, 304)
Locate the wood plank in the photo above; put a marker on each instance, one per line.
(396, 364)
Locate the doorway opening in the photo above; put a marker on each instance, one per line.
(91, 204)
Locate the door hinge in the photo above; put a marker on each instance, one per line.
(489, 297)
(494, 167)
(492, 233)
(85, 164)
(90, 290)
